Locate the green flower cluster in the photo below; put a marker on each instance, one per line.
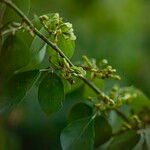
(54, 24)
(102, 71)
(116, 98)
(69, 72)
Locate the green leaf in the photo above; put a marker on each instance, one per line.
(103, 130)
(125, 141)
(10, 15)
(36, 22)
(67, 86)
(51, 93)
(66, 45)
(38, 50)
(35, 60)
(37, 53)
(14, 54)
(38, 43)
(78, 135)
(79, 111)
(18, 86)
(72, 87)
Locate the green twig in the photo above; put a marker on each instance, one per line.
(122, 116)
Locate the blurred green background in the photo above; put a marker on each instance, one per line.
(118, 30)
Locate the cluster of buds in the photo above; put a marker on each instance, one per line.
(113, 92)
(89, 64)
(106, 73)
(106, 99)
(136, 122)
(55, 26)
(121, 96)
(69, 72)
(103, 71)
(114, 100)
(102, 103)
(125, 98)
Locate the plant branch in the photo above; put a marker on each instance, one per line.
(52, 45)
(35, 30)
(91, 85)
(56, 48)
(122, 116)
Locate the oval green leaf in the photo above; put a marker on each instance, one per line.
(79, 111)
(66, 45)
(18, 86)
(14, 54)
(37, 53)
(103, 130)
(37, 43)
(35, 60)
(51, 93)
(78, 135)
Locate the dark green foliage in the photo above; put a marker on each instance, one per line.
(125, 141)
(103, 131)
(79, 111)
(17, 87)
(51, 93)
(13, 49)
(78, 135)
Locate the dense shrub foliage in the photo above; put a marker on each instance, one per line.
(68, 99)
